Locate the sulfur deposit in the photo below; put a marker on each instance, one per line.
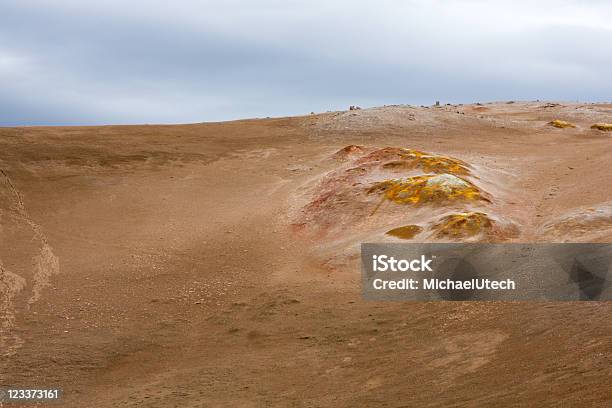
(561, 124)
(606, 127)
(405, 232)
(439, 188)
(463, 225)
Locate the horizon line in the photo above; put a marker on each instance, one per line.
(313, 113)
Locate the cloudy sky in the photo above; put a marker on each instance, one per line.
(154, 61)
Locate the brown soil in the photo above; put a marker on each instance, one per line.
(215, 265)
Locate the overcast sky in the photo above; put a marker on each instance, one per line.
(154, 61)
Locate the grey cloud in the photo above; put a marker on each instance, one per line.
(69, 62)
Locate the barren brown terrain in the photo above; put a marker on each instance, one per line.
(216, 264)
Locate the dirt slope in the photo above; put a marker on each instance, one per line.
(187, 265)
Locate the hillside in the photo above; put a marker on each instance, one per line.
(216, 264)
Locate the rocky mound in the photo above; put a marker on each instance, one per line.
(463, 225)
(446, 202)
(582, 224)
